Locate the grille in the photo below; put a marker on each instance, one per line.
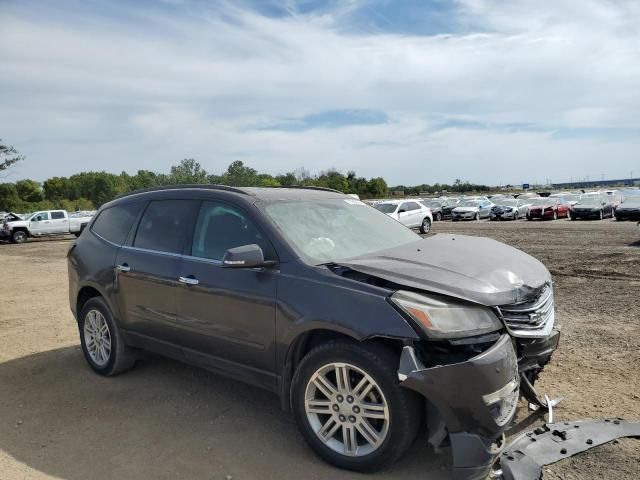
(531, 319)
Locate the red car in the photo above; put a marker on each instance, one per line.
(550, 208)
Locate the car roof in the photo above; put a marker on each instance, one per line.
(262, 193)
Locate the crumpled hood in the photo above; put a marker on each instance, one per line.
(477, 269)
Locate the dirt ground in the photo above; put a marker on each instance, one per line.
(167, 420)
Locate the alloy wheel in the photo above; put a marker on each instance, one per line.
(347, 409)
(97, 337)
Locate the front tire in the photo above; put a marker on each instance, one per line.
(350, 408)
(438, 217)
(426, 225)
(19, 236)
(101, 341)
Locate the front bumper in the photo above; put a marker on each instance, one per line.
(585, 214)
(501, 215)
(463, 215)
(535, 353)
(547, 214)
(462, 393)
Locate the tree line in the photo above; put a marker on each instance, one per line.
(89, 190)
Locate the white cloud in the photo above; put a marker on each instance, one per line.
(83, 91)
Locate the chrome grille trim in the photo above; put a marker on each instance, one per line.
(530, 319)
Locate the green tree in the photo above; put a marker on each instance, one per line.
(29, 190)
(332, 179)
(377, 187)
(8, 156)
(287, 180)
(9, 198)
(187, 172)
(57, 188)
(238, 175)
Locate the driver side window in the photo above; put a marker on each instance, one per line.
(220, 227)
(39, 217)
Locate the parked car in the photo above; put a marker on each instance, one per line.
(509, 208)
(410, 213)
(549, 208)
(472, 210)
(436, 208)
(356, 322)
(44, 223)
(592, 206)
(629, 209)
(448, 205)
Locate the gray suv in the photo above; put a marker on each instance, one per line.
(367, 331)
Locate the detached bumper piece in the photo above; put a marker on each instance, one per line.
(524, 458)
(475, 399)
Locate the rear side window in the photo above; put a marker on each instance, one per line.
(413, 206)
(114, 223)
(165, 224)
(57, 215)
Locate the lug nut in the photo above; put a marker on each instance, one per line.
(342, 418)
(340, 398)
(335, 408)
(356, 409)
(352, 419)
(350, 399)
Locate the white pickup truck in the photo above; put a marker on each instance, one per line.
(44, 223)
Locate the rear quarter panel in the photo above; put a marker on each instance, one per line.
(91, 263)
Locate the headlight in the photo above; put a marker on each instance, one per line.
(446, 319)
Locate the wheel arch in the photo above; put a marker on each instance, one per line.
(86, 293)
(307, 340)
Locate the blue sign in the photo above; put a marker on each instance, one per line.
(525, 186)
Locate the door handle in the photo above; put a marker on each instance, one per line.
(123, 268)
(188, 280)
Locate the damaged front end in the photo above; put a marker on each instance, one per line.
(475, 398)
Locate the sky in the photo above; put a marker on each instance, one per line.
(417, 91)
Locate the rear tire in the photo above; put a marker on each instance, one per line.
(403, 414)
(426, 226)
(118, 357)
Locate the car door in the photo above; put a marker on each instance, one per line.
(228, 314)
(147, 269)
(59, 222)
(415, 214)
(39, 223)
(404, 214)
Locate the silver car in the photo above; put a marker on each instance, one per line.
(510, 209)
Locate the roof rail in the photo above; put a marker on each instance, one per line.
(311, 187)
(207, 186)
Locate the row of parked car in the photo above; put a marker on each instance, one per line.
(421, 212)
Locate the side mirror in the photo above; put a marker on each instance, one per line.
(246, 256)
(37, 219)
(402, 210)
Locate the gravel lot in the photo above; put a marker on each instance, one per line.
(168, 420)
